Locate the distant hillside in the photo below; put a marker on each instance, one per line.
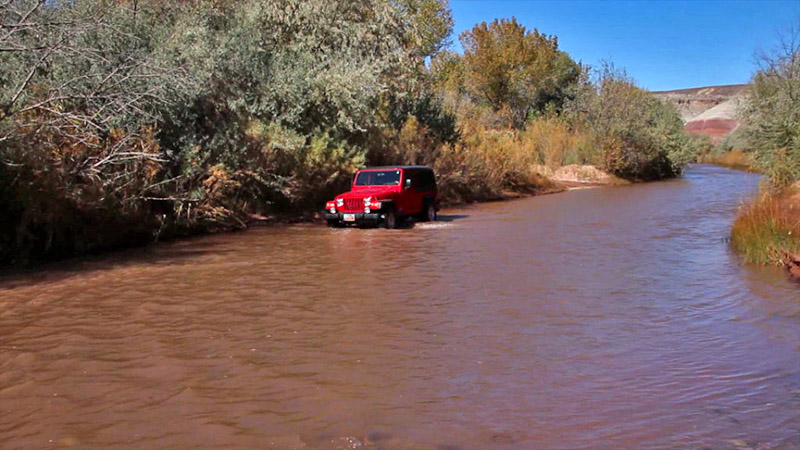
(724, 90)
(710, 110)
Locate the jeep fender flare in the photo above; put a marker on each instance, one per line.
(387, 205)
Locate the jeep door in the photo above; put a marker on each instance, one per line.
(411, 200)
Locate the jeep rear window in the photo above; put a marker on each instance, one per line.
(378, 178)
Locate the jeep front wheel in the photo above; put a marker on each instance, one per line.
(390, 221)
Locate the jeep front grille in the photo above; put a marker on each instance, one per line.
(353, 204)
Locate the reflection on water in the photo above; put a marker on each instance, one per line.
(612, 317)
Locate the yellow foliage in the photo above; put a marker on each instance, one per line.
(488, 163)
(556, 144)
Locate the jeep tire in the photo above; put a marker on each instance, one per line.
(429, 212)
(390, 221)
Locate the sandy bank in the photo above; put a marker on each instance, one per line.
(580, 176)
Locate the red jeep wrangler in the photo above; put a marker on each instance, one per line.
(386, 194)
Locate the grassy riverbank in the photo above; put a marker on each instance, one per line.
(733, 159)
(767, 230)
(768, 227)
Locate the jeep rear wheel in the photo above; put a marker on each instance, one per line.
(390, 221)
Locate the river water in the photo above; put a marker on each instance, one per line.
(598, 318)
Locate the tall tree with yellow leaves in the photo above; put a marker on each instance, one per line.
(509, 67)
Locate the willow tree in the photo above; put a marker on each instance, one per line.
(772, 112)
(122, 118)
(508, 66)
(430, 23)
(639, 136)
(80, 93)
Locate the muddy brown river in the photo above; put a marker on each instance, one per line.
(597, 318)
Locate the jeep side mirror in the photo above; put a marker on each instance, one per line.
(408, 183)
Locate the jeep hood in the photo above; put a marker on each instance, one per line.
(369, 191)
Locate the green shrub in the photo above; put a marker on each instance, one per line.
(772, 114)
(639, 136)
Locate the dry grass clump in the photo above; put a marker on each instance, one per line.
(488, 164)
(557, 144)
(768, 226)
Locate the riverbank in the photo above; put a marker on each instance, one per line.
(578, 176)
(767, 230)
(734, 159)
(543, 181)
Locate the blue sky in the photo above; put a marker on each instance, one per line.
(662, 44)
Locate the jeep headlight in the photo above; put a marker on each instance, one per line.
(339, 202)
(367, 200)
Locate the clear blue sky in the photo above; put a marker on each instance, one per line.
(662, 44)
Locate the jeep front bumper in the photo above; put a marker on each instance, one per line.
(357, 218)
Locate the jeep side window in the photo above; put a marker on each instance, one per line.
(426, 181)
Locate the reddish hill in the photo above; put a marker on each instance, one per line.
(710, 110)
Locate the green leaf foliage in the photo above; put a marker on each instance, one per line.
(772, 116)
(507, 66)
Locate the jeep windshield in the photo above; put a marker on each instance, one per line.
(378, 178)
